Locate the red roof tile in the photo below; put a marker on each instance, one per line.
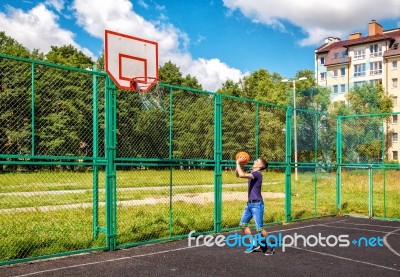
(388, 35)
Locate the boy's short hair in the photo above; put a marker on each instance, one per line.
(264, 163)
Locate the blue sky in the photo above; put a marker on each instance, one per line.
(213, 40)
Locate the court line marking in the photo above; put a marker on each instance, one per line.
(388, 245)
(360, 229)
(132, 257)
(348, 259)
(106, 261)
(148, 254)
(364, 224)
(387, 234)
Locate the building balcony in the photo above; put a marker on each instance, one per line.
(375, 72)
(376, 54)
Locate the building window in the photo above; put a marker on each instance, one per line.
(359, 84)
(394, 119)
(359, 70)
(394, 100)
(335, 89)
(335, 56)
(322, 60)
(394, 64)
(375, 82)
(335, 73)
(395, 155)
(394, 82)
(359, 54)
(322, 76)
(342, 88)
(375, 50)
(395, 137)
(342, 71)
(375, 68)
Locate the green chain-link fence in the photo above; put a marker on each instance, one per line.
(84, 166)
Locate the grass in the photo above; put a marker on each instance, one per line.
(34, 232)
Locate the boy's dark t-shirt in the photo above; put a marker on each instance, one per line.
(254, 186)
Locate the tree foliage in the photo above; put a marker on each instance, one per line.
(63, 112)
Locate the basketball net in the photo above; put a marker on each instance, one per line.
(151, 98)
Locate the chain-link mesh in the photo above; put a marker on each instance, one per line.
(45, 212)
(15, 107)
(272, 133)
(238, 128)
(46, 111)
(156, 203)
(142, 133)
(386, 196)
(369, 191)
(364, 140)
(52, 190)
(314, 180)
(193, 133)
(85, 166)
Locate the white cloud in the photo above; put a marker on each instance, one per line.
(37, 29)
(143, 4)
(58, 5)
(318, 19)
(97, 15)
(211, 72)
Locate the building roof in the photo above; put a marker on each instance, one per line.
(336, 57)
(387, 35)
(394, 50)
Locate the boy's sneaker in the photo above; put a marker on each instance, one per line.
(270, 251)
(252, 249)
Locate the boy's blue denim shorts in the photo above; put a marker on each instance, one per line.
(255, 211)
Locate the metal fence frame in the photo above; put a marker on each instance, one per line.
(107, 159)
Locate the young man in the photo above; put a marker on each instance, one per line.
(255, 204)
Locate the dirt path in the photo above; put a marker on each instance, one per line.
(193, 198)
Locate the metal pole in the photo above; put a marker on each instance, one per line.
(295, 130)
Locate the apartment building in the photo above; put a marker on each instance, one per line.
(375, 58)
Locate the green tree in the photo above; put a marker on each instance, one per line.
(64, 104)
(369, 99)
(70, 56)
(10, 46)
(363, 139)
(15, 98)
(230, 88)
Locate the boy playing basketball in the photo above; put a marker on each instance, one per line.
(255, 204)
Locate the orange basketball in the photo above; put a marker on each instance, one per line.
(245, 155)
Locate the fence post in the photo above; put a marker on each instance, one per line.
(370, 192)
(95, 156)
(217, 166)
(338, 163)
(288, 178)
(110, 153)
(33, 109)
(170, 156)
(257, 131)
(316, 162)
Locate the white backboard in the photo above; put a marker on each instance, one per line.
(127, 57)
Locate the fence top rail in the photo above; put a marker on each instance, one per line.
(243, 99)
(368, 115)
(374, 165)
(89, 71)
(315, 112)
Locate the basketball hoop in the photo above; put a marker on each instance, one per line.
(149, 91)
